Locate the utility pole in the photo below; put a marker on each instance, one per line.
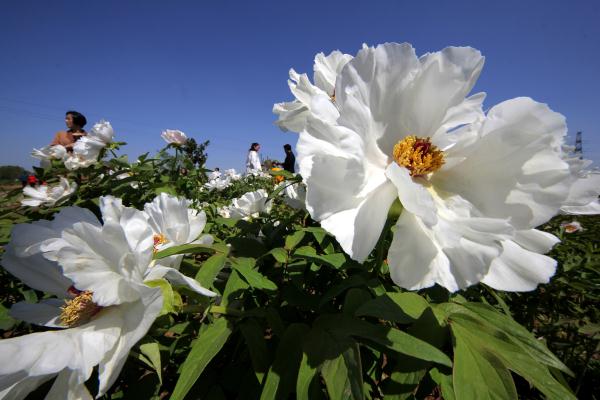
(578, 145)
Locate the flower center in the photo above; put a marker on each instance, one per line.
(159, 239)
(79, 309)
(418, 155)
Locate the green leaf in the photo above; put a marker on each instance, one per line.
(247, 247)
(166, 189)
(281, 378)
(488, 340)
(397, 307)
(518, 334)
(479, 375)
(280, 254)
(391, 338)
(291, 241)
(318, 233)
(445, 383)
(172, 302)
(335, 260)
(184, 249)
(234, 287)
(6, 321)
(151, 351)
(351, 282)
(245, 266)
(257, 347)
(343, 375)
(354, 299)
(210, 269)
(211, 339)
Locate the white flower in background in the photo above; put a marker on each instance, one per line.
(472, 186)
(250, 205)
(174, 136)
(292, 115)
(232, 174)
(218, 184)
(88, 148)
(224, 211)
(48, 196)
(294, 195)
(214, 175)
(126, 175)
(97, 274)
(258, 173)
(571, 227)
(48, 153)
(583, 195)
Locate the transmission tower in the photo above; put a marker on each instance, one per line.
(578, 145)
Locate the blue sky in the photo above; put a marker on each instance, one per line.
(213, 69)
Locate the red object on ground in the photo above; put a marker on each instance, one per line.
(32, 180)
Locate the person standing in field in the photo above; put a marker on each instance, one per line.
(253, 159)
(75, 122)
(289, 164)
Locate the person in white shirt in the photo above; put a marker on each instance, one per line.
(253, 159)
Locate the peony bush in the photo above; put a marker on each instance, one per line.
(383, 269)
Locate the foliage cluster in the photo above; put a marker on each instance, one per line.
(297, 318)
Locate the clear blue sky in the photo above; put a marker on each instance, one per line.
(213, 69)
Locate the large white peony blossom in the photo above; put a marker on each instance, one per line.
(292, 115)
(97, 273)
(218, 183)
(48, 196)
(250, 205)
(48, 153)
(472, 186)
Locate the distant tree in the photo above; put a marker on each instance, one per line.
(11, 172)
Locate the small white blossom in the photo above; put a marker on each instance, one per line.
(48, 195)
(174, 136)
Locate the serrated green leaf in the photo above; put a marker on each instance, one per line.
(281, 378)
(211, 339)
(397, 307)
(245, 266)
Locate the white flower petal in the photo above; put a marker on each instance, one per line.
(135, 318)
(516, 169)
(518, 269)
(177, 278)
(44, 313)
(358, 229)
(413, 196)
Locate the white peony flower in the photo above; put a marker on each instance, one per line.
(250, 205)
(174, 136)
(232, 174)
(97, 274)
(583, 195)
(102, 132)
(224, 211)
(294, 195)
(473, 186)
(218, 184)
(292, 115)
(214, 175)
(48, 153)
(48, 196)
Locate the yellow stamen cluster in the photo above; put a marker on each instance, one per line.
(418, 155)
(79, 309)
(158, 240)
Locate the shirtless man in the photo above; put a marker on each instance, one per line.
(75, 122)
